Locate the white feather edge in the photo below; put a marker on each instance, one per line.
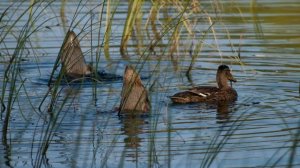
(200, 94)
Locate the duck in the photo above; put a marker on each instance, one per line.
(134, 95)
(223, 93)
(74, 65)
(72, 58)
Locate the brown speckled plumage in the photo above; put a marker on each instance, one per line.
(210, 94)
(72, 57)
(134, 96)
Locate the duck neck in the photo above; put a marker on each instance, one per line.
(222, 82)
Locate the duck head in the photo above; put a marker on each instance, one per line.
(224, 75)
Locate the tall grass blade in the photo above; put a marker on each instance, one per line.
(109, 22)
(134, 9)
(107, 29)
(63, 15)
(256, 21)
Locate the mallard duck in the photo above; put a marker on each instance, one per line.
(74, 64)
(134, 96)
(208, 93)
(72, 57)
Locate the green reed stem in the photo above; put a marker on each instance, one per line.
(134, 9)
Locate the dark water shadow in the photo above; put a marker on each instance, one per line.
(99, 77)
(84, 81)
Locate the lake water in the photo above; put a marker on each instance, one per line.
(259, 41)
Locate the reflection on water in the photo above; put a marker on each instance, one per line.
(260, 129)
(132, 128)
(223, 113)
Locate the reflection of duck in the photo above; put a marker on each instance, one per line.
(210, 94)
(134, 96)
(74, 64)
(223, 111)
(132, 129)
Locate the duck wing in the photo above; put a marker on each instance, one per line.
(214, 94)
(197, 94)
(204, 91)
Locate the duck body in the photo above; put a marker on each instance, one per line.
(74, 66)
(208, 93)
(72, 59)
(134, 96)
(205, 94)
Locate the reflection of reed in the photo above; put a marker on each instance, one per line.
(2, 107)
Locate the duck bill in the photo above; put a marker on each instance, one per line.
(231, 78)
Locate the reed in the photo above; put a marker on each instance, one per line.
(133, 12)
(255, 17)
(111, 8)
(10, 86)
